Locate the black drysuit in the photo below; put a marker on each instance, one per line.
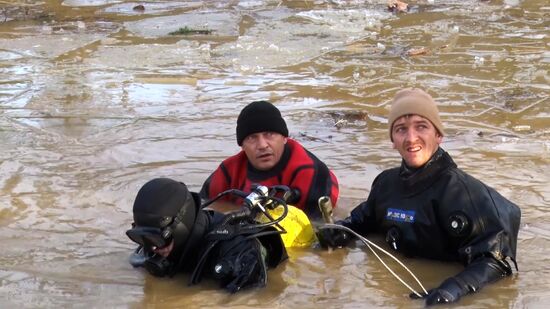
(440, 212)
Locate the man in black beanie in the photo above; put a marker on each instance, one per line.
(269, 157)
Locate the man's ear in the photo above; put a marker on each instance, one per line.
(286, 139)
(439, 138)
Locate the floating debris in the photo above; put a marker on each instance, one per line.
(522, 128)
(340, 123)
(514, 99)
(418, 51)
(313, 138)
(380, 47)
(349, 118)
(479, 60)
(397, 6)
(139, 8)
(187, 31)
(14, 10)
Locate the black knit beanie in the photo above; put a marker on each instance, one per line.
(259, 116)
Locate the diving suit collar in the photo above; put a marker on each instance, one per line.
(414, 181)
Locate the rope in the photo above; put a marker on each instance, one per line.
(369, 243)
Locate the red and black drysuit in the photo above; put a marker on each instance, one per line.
(298, 169)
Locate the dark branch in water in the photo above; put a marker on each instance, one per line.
(313, 138)
(187, 31)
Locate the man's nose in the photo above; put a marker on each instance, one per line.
(262, 141)
(411, 135)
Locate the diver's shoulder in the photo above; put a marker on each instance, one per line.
(239, 157)
(388, 174)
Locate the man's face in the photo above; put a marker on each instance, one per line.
(416, 139)
(165, 252)
(264, 149)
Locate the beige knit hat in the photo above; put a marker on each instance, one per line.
(414, 101)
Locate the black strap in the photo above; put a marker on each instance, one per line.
(197, 272)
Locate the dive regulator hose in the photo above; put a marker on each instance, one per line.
(254, 202)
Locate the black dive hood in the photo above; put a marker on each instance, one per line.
(164, 210)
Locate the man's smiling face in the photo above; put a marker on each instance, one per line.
(416, 139)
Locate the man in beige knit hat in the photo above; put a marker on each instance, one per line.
(429, 208)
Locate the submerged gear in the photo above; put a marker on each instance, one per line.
(414, 101)
(440, 212)
(298, 169)
(260, 116)
(239, 250)
(240, 264)
(238, 255)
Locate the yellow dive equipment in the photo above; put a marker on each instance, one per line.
(299, 231)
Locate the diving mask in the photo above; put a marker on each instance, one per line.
(150, 238)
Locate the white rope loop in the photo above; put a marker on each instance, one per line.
(369, 243)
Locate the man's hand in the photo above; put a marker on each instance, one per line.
(333, 238)
(477, 274)
(448, 292)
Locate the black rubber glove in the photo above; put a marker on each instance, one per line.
(477, 274)
(448, 292)
(333, 238)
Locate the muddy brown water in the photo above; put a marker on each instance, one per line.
(96, 98)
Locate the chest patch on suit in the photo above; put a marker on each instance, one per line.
(400, 215)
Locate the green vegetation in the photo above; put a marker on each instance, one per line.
(187, 31)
